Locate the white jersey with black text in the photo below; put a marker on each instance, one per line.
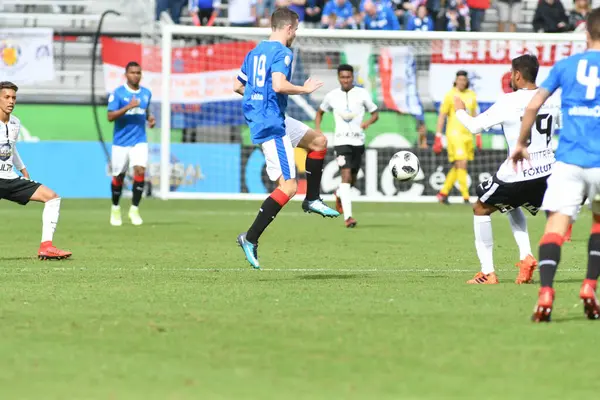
(9, 157)
(508, 111)
(348, 111)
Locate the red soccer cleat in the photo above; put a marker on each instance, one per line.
(442, 198)
(591, 307)
(48, 252)
(526, 268)
(543, 308)
(569, 233)
(338, 203)
(350, 222)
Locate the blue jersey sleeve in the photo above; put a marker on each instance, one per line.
(282, 62)
(328, 10)
(243, 74)
(392, 19)
(114, 101)
(552, 82)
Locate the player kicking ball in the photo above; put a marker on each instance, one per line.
(128, 107)
(21, 189)
(576, 172)
(507, 191)
(264, 81)
(348, 104)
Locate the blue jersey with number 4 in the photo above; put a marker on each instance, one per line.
(578, 77)
(130, 129)
(264, 109)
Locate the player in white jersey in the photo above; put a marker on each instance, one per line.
(576, 172)
(21, 189)
(509, 190)
(348, 103)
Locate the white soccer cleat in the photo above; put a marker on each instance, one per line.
(134, 216)
(115, 216)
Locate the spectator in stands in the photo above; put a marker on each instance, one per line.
(477, 13)
(264, 9)
(204, 12)
(338, 14)
(297, 6)
(578, 15)
(241, 12)
(313, 12)
(421, 21)
(455, 21)
(550, 17)
(400, 11)
(172, 7)
(509, 12)
(380, 17)
(464, 11)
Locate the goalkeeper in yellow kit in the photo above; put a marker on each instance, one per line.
(459, 139)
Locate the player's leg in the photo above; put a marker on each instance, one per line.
(138, 157)
(588, 288)
(442, 196)
(527, 263)
(315, 143)
(119, 164)
(345, 160)
(566, 188)
(464, 154)
(34, 191)
(280, 165)
(484, 241)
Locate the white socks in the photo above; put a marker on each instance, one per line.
(50, 219)
(484, 242)
(344, 192)
(518, 224)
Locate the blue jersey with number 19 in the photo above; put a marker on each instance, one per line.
(264, 109)
(578, 77)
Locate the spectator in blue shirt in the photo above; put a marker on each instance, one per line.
(342, 13)
(204, 12)
(380, 17)
(421, 21)
(379, 4)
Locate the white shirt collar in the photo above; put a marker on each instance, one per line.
(126, 86)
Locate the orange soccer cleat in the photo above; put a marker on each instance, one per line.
(481, 279)
(442, 198)
(526, 268)
(338, 203)
(48, 252)
(350, 222)
(543, 308)
(591, 307)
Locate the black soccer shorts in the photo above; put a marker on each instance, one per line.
(18, 190)
(348, 156)
(507, 196)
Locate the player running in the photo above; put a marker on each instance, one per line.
(21, 189)
(460, 140)
(264, 81)
(348, 104)
(128, 106)
(577, 168)
(507, 191)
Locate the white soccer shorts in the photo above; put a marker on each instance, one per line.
(124, 156)
(279, 152)
(567, 187)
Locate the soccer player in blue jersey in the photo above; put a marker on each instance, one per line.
(576, 172)
(128, 107)
(264, 81)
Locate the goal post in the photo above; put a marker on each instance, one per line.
(205, 150)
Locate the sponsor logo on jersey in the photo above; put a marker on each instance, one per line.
(5, 152)
(535, 171)
(583, 111)
(257, 96)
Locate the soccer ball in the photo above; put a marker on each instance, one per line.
(404, 166)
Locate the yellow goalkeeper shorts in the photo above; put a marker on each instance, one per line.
(460, 148)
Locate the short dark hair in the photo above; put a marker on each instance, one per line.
(132, 64)
(462, 72)
(8, 85)
(527, 65)
(282, 17)
(593, 24)
(345, 67)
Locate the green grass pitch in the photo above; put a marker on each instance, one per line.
(171, 310)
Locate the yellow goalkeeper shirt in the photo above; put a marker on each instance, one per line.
(453, 125)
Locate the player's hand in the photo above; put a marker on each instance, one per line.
(437, 143)
(133, 103)
(151, 121)
(519, 156)
(364, 125)
(311, 85)
(478, 141)
(458, 103)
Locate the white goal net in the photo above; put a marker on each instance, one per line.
(205, 149)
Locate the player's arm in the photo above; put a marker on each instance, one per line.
(18, 163)
(149, 117)
(482, 122)
(114, 112)
(239, 85)
(444, 111)
(372, 109)
(282, 86)
(323, 108)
